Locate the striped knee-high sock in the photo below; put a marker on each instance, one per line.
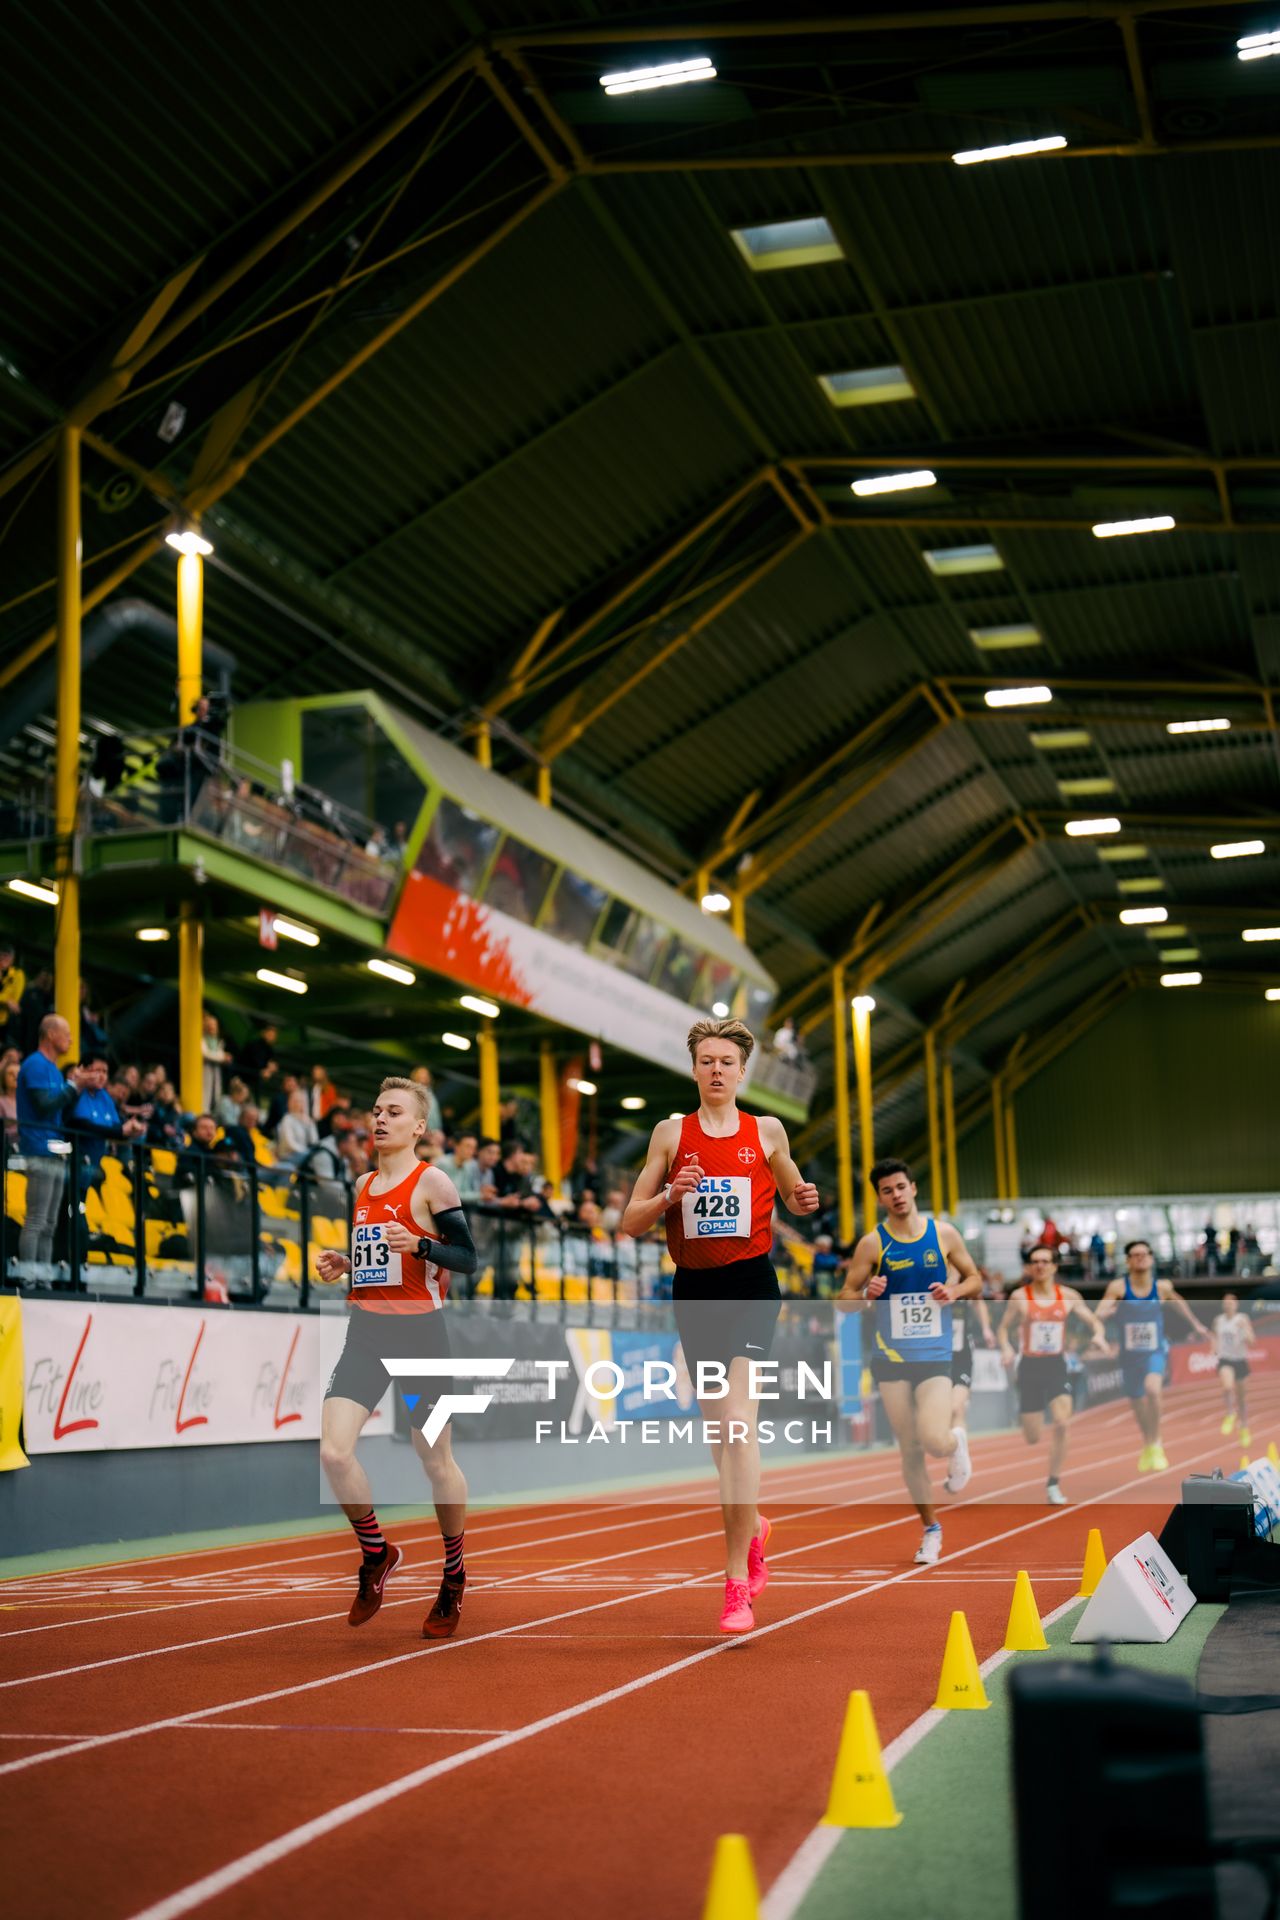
(454, 1565)
(369, 1534)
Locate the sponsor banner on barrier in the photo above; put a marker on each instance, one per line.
(117, 1375)
(11, 1454)
(1191, 1361)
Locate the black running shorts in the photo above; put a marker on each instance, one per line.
(373, 1337)
(1040, 1379)
(962, 1366)
(722, 1312)
(1240, 1368)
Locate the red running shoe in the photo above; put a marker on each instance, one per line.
(757, 1571)
(374, 1575)
(442, 1621)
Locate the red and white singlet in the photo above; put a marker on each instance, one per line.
(730, 1215)
(383, 1281)
(1044, 1325)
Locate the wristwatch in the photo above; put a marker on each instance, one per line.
(421, 1248)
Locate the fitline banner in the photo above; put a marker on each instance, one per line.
(117, 1375)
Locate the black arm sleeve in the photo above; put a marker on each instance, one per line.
(456, 1250)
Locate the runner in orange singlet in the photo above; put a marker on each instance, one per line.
(714, 1175)
(409, 1232)
(1042, 1309)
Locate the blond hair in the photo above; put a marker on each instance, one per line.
(417, 1094)
(736, 1030)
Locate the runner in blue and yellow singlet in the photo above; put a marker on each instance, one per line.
(904, 1265)
(1138, 1299)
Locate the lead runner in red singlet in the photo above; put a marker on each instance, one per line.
(409, 1233)
(714, 1175)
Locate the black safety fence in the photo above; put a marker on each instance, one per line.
(148, 1222)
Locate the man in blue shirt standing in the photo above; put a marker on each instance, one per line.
(97, 1122)
(45, 1094)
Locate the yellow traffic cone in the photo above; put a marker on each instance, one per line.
(732, 1893)
(860, 1792)
(1272, 1454)
(1024, 1634)
(960, 1683)
(1095, 1565)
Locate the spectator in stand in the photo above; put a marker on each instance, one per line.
(431, 1147)
(93, 1030)
(1051, 1236)
(9, 1099)
(45, 1096)
(257, 1063)
(463, 1166)
(35, 1006)
(488, 1154)
(279, 1104)
(297, 1132)
(238, 1136)
(785, 1044)
(1097, 1255)
(323, 1093)
(230, 1104)
(13, 984)
(399, 841)
(508, 1121)
(165, 1127)
(378, 847)
(97, 1118)
(435, 1119)
(215, 1058)
(513, 1181)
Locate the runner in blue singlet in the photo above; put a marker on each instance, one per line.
(903, 1266)
(1137, 1301)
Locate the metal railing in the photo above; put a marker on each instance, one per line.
(200, 783)
(149, 1223)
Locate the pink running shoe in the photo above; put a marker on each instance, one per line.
(737, 1616)
(757, 1571)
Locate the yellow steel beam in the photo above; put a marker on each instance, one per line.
(866, 1108)
(575, 728)
(555, 168)
(998, 1137)
(487, 1047)
(1011, 1148)
(739, 835)
(190, 635)
(549, 1114)
(931, 1102)
(835, 26)
(191, 1006)
(233, 473)
(484, 744)
(955, 897)
(764, 869)
(115, 383)
(949, 1135)
(633, 585)
(66, 942)
(544, 786)
(526, 660)
(840, 1107)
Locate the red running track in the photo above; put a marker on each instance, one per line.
(203, 1733)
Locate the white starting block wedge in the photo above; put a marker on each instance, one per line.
(1140, 1598)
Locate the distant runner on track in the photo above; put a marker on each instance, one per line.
(714, 1175)
(1233, 1336)
(1039, 1311)
(903, 1265)
(409, 1232)
(1137, 1299)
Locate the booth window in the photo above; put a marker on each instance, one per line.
(519, 880)
(576, 906)
(457, 848)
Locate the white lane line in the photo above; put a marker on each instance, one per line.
(550, 1575)
(817, 1847)
(290, 1842)
(290, 1726)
